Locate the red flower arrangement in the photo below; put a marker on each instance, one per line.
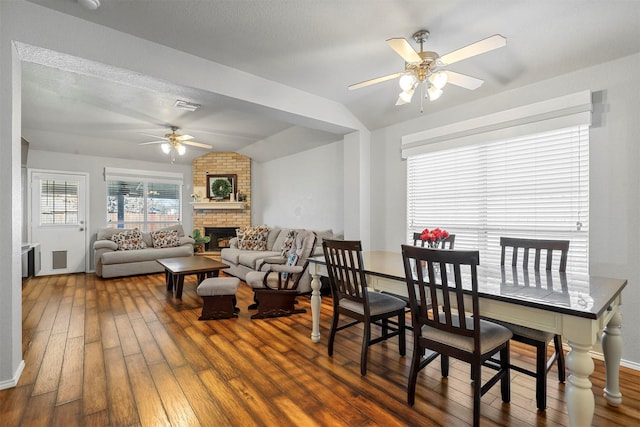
(434, 237)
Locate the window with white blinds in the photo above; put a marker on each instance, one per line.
(147, 200)
(536, 186)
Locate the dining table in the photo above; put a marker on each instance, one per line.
(583, 309)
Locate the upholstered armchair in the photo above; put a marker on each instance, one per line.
(279, 280)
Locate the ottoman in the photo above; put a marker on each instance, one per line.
(218, 297)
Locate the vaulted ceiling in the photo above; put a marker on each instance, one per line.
(318, 47)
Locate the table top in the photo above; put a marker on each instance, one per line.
(577, 295)
(191, 264)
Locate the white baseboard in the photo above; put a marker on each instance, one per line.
(631, 365)
(13, 381)
(598, 355)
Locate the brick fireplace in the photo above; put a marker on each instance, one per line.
(221, 222)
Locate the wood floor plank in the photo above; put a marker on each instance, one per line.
(41, 411)
(33, 357)
(70, 387)
(109, 332)
(148, 401)
(205, 406)
(49, 314)
(76, 322)
(226, 398)
(144, 358)
(96, 419)
(61, 324)
(126, 335)
(94, 386)
(147, 343)
(92, 330)
(49, 373)
(263, 409)
(68, 415)
(172, 353)
(120, 397)
(14, 404)
(175, 402)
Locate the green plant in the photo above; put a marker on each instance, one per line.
(221, 188)
(199, 238)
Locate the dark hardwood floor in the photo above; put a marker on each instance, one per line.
(123, 352)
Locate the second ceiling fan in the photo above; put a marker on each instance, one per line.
(172, 143)
(429, 68)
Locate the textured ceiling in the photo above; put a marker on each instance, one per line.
(319, 47)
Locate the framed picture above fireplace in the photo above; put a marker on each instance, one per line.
(221, 187)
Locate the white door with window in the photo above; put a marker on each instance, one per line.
(58, 220)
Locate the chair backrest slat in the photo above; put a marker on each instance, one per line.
(345, 270)
(450, 276)
(540, 246)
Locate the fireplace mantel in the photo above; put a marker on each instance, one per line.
(218, 205)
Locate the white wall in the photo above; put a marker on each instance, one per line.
(300, 191)
(614, 212)
(97, 191)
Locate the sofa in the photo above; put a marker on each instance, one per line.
(121, 252)
(266, 242)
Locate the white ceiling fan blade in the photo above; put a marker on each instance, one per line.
(197, 144)
(404, 49)
(374, 81)
(490, 43)
(153, 136)
(183, 137)
(152, 142)
(463, 80)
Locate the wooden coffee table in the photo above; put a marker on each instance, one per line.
(176, 268)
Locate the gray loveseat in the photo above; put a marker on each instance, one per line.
(242, 261)
(111, 262)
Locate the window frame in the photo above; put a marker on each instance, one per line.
(146, 178)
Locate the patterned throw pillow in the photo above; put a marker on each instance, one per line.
(253, 238)
(129, 240)
(165, 239)
(288, 242)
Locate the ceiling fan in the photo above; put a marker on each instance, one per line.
(175, 143)
(429, 67)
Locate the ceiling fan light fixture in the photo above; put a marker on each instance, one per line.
(439, 79)
(405, 96)
(181, 149)
(433, 93)
(166, 147)
(408, 81)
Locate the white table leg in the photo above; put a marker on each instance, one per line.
(580, 400)
(316, 299)
(612, 348)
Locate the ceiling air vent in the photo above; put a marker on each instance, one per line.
(186, 105)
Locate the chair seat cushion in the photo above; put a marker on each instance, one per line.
(530, 333)
(218, 286)
(378, 303)
(250, 259)
(492, 335)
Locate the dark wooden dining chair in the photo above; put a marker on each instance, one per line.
(445, 244)
(450, 326)
(352, 298)
(530, 253)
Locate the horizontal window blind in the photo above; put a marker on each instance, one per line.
(534, 186)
